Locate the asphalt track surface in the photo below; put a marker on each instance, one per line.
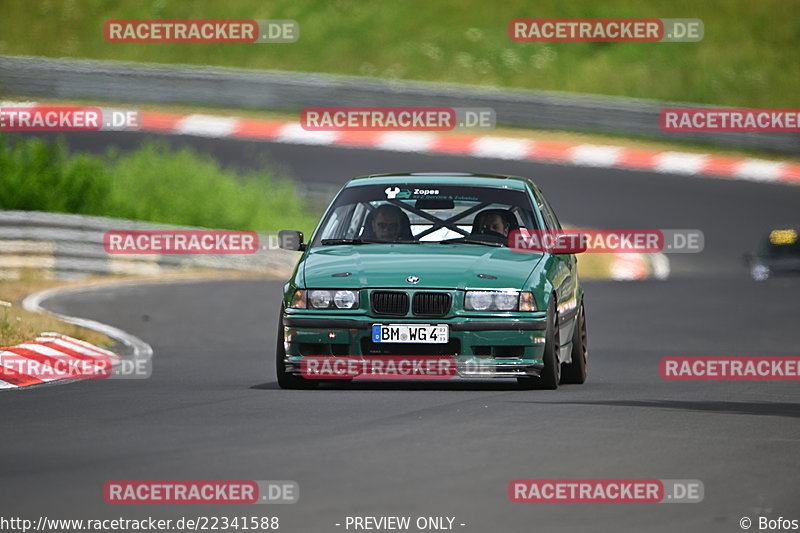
(212, 409)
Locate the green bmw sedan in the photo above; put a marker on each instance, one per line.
(421, 265)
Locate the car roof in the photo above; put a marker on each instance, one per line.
(443, 178)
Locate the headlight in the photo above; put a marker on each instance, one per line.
(477, 300)
(331, 299)
(506, 301)
(491, 300)
(319, 299)
(345, 299)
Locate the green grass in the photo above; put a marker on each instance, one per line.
(748, 56)
(152, 184)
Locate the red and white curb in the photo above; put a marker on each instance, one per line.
(48, 344)
(483, 146)
(51, 354)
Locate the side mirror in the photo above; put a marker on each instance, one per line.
(578, 243)
(291, 240)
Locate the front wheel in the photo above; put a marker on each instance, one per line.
(286, 380)
(578, 367)
(551, 372)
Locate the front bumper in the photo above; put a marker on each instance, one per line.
(483, 348)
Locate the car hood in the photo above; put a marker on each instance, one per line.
(445, 266)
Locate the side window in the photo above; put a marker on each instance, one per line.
(549, 209)
(549, 217)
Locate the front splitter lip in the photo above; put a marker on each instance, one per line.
(502, 371)
(464, 369)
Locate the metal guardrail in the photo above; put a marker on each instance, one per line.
(277, 90)
(72, 246)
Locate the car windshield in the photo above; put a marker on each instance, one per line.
(422, 214)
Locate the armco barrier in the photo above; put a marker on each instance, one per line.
(72, 245)
(277, 90)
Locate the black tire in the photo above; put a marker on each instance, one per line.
(578, 368)
(551, 373)
(285, 380)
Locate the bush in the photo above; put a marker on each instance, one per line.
(152, 184)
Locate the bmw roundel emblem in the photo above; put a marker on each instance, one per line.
(412, 279)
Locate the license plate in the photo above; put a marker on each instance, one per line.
(411, 333)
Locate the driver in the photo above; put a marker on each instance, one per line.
(493, 222)
(389, 223)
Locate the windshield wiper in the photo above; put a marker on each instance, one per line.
(363, 241)
(325, 242)
(471, 241)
